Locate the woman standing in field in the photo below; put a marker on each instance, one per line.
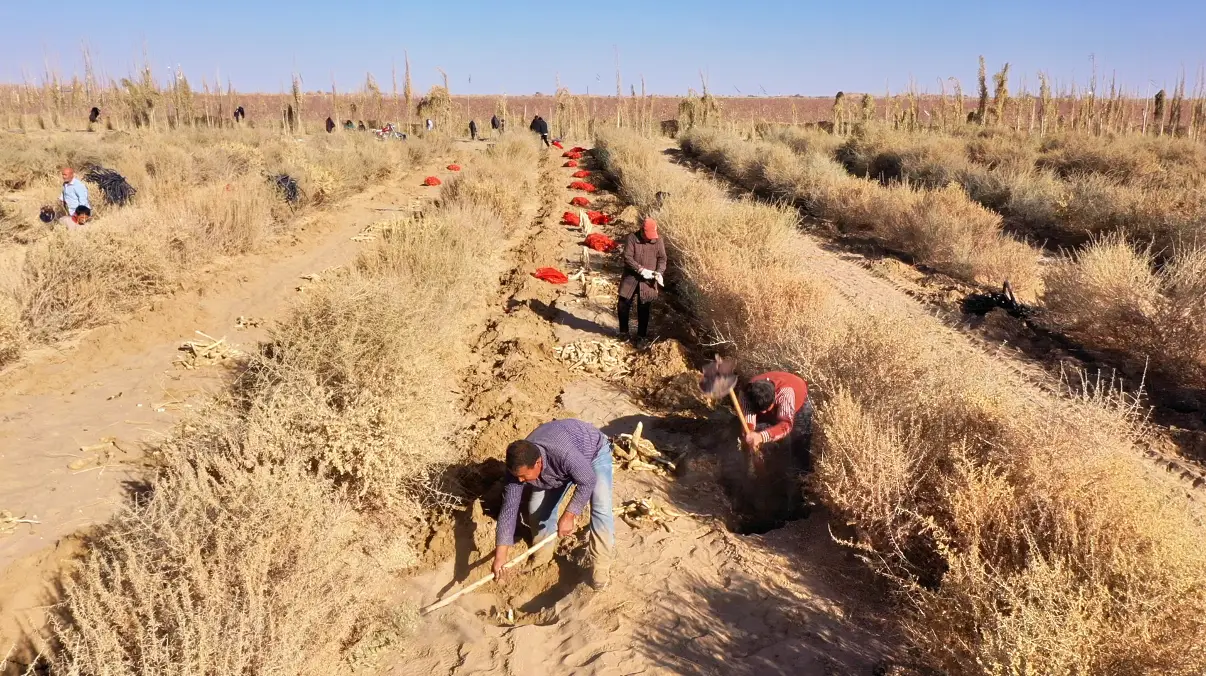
(644, 265)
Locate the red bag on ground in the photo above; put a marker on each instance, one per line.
(577, 149)
(570, 218)
(572, 155)
(551, 275)
(571, 163)
(581, 174)
(454, 167)
(558, 144)
(580, 201)
(600, 242)
(598, 218)
(431, 180)
(583, 186)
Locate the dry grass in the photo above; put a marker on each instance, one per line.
(192, 207)
(1113, 296)
(939, 227)
(271, 535)
(1023, 531)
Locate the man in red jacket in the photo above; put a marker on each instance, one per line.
(777, 407)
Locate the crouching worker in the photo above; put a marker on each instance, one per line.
(77, 219)
(553, 457)
(777, 408)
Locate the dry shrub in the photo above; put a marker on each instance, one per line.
(940, 226)
(12, 331)
(271, 533)
(231, 565)
(78, 280)
(493, 183)
(1111, 296)
(1122, 158)
(1023, 530)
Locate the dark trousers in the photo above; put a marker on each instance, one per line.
(545, 138)
(643, 308)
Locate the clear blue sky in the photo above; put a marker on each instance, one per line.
(804, 47)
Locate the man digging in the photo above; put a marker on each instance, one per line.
(551, 458)
(778, 415)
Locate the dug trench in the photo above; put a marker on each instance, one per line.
(690, 592)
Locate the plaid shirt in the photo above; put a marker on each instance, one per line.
(568, 448)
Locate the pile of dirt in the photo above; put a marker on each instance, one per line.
(663, 378)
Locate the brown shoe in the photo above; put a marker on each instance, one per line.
(600, 576)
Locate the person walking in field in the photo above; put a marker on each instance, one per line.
(541, 127)
(553, 457)
(494, 123)
(644, 267)
(472, 130)
(75, 193)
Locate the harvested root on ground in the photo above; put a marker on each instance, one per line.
(206, 352)
(637, 513)
(9, 523)
(248, 322)
(639, 454)
(606, 358)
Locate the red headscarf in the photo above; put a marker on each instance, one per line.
(649, 229)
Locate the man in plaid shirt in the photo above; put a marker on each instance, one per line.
(551, 458)
(776, 407)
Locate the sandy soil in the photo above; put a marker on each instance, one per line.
(696, 598)
(119, 382)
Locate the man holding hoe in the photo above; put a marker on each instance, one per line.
(551, 458)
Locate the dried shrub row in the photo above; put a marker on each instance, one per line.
(268, 541)
(941, 228)
(1022, 531)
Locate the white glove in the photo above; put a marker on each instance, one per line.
(660, 280)
(647, 274)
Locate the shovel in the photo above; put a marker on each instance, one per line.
(720, 379)
(513, 562)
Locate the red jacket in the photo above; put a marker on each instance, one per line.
(790, 394)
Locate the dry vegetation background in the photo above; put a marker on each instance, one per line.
(1021, 531)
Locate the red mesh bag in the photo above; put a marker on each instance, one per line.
(577, 149)
(570, 218)
(551, 275)
(583, 186)
(600, 242)
(571, 163)
(558, 144)
(454, 167)
(431, 180)
(598, 217)
(581, 174)
(572, 155)
(580, 201)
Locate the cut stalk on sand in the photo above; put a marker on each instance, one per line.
(513, 562)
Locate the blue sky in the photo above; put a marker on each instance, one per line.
(804, 47)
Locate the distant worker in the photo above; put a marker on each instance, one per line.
(472, 130)
(551, 458)
(239, 114)
(494, 123)
(644, 265)
(348, 125)
(541, 127)
(75, 193)
(430, 124)
(78, 218)
(330, 125)
(93, 115)
(361, 127)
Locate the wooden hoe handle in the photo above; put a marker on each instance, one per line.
(740, 414)
(513, 562)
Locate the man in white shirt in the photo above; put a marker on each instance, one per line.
(75, 193)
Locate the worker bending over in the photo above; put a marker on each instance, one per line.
(551, 458)
(777, 407)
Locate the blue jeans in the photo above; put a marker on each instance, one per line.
(542, 509)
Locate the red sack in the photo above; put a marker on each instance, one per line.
(580, 185)
(600, 242)
(558, 144)
(551, 275)
(572, 155)
(571, 163)
(598, 218)
(581, 174)
(454, 167)
(570, 218)
(577, 149)
(580, 201)
(431, 180)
